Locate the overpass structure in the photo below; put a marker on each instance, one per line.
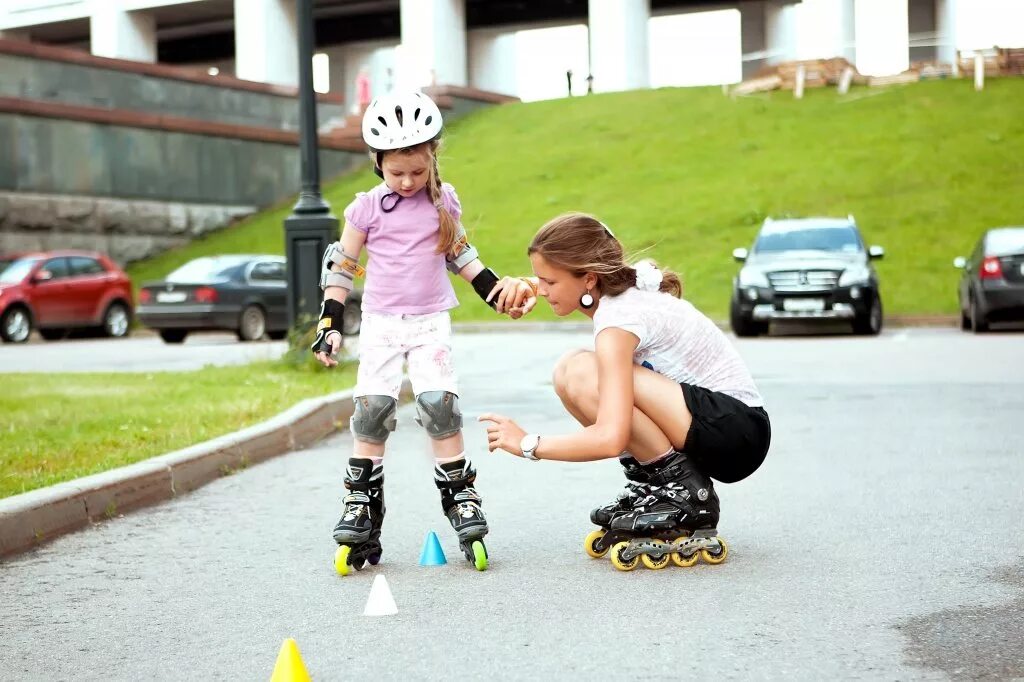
(466, 42)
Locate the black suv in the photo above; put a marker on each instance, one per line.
(806, 269)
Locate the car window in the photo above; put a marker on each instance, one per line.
(268, 272)
(775, 238)
(210, 269)
(58, 267)
(1005, 242)
(81, 265)
(16, 271)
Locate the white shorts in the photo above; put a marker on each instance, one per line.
(385, 340)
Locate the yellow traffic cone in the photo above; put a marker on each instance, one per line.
(289, 666)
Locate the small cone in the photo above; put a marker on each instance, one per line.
(432, 554)
(289, 666)
(380, 602)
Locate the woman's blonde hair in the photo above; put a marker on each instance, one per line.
(448, 239)
(581, 243)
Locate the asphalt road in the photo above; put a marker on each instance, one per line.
(882, 539)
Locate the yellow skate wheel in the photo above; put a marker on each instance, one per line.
(479, 555)
(590, 543)
(618, 563)
(656, 564)
(341, 564)
(718, 557)
(684, 561)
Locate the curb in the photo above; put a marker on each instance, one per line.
(30, 519)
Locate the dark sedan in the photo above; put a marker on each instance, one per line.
(992, 285)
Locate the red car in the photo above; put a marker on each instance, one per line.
(57, 291)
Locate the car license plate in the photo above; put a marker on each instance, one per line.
(803, 305)
(170, 297)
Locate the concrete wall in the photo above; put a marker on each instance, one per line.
(125, 230)
(60, 156)
(43, 79)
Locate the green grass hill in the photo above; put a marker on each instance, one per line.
(686, 175)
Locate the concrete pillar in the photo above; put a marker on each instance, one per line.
(433, 49)
(780, 31)
(267, 41)
(618, 44)
(114, 32)
(946, 21)
(883, 45)
(492, 60)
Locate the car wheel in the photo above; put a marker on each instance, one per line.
(173, 335)
(16, 325)
(870, 324)
(252, 324)
(743, 325)
(53, 334)
(965, 321)
(278, 335)
(352, 319)
(978, 321)
(116, 321)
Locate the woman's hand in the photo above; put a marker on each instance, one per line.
(503, 433)
(513, 296)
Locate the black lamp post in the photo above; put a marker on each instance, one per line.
(311, 226)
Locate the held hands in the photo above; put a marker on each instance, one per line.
(503, 433)
(513, 296)
(328, 348)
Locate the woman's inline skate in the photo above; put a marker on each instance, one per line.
(677, 520)
(598, 542)
(358, 530)
(461, 504)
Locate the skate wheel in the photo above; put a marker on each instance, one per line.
(681, 560)
(592, 544)
(358, 564)
(715, 558)
(479, 555)
(341, 560)
(656, 564)
(373, 559)
(617, 561)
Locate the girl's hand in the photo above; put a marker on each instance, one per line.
(503, 433)
(513, 296)
(325, 358)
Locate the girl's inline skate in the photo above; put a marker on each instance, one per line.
(461, 504)
(358, 530)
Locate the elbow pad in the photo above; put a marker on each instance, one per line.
(465, 253)
(339, 269)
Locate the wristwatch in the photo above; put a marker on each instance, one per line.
(528, 444)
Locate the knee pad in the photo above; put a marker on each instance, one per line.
(438, 412)
(374, 418)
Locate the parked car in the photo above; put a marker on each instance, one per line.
(992, 284)
(246, 294)
(806, 269)
(58, 291)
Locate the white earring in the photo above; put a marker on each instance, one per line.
(587, 301)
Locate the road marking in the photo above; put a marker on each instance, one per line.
(901, 336)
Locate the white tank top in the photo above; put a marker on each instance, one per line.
(678, 341)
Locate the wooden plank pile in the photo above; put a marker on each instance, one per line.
(818, 73)
(1011, 61)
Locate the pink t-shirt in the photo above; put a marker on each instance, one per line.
(405, 273)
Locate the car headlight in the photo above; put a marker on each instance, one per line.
(752, 278)
(857, 274)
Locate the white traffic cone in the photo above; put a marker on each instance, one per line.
(380, 602)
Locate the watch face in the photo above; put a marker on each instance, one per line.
(529, 443)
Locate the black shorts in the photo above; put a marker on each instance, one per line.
(728, 439)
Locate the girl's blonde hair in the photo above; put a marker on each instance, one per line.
(448, 238)
(581, 243)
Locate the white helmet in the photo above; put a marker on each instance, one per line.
(398, 120)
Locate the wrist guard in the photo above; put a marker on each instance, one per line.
(483, 283)
(332, 314)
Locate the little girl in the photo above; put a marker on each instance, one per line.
(410, 227)
(664, 391)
